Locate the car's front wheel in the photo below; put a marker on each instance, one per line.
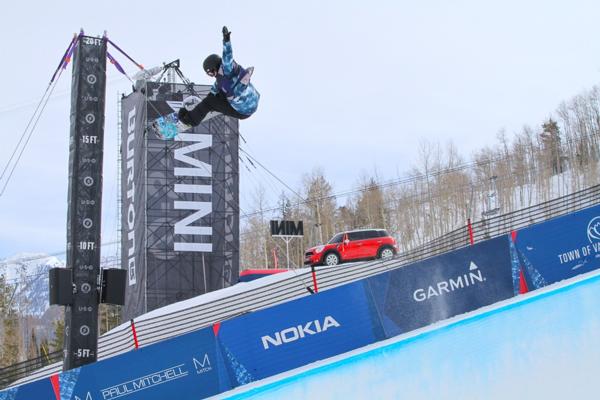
(386, 253)
(331, 259)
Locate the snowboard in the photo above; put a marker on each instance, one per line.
(168, 126)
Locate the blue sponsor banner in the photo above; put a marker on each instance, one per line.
(190, 366)
(35, 390)
(293, 334)
(425, 292)
(559, 248)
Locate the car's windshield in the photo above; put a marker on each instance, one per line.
(336, 239)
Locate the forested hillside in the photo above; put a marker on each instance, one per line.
(442, 191)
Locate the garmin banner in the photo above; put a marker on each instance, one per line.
(425, 292)
(186, 220)
(85, 198)
(557, 249)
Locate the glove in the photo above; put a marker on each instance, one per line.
(226, 35)
(190, 102)
(183, 116)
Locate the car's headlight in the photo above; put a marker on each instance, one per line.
(319, 249)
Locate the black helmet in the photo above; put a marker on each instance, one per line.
(212, 63)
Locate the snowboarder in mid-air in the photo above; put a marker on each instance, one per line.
(232, 93)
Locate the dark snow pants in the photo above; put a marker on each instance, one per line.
(210, 103)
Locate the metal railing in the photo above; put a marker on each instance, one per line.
(19, 370)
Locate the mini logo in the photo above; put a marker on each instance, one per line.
(202, 366)
(91, 79)
(84, 330)
(441, 288)
(90, 118)
(593, 230)
(87, 223)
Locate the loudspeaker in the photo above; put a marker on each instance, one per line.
(113, 286)
(61, 286)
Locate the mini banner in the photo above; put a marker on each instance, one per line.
(180, 209)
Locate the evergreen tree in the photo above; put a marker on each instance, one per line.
(57, 343)
(12, 343)
(11, 340)
(552, 145)
(109, 317)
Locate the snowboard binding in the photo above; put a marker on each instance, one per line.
(168, 126)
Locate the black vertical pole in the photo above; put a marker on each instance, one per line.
(84, 201)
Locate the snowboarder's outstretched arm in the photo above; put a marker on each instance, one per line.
(227, 59)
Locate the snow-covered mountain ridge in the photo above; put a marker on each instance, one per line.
(27, 273)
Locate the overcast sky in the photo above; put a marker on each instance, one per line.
(351, 87)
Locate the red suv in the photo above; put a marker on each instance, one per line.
(352, 246)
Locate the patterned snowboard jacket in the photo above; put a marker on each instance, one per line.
(234, 81)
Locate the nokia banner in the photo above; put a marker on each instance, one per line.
(84, 198)
(302, 331)
(180, 213)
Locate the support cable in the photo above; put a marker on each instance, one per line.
(27, 132)
(254, 160)
(140, 66)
